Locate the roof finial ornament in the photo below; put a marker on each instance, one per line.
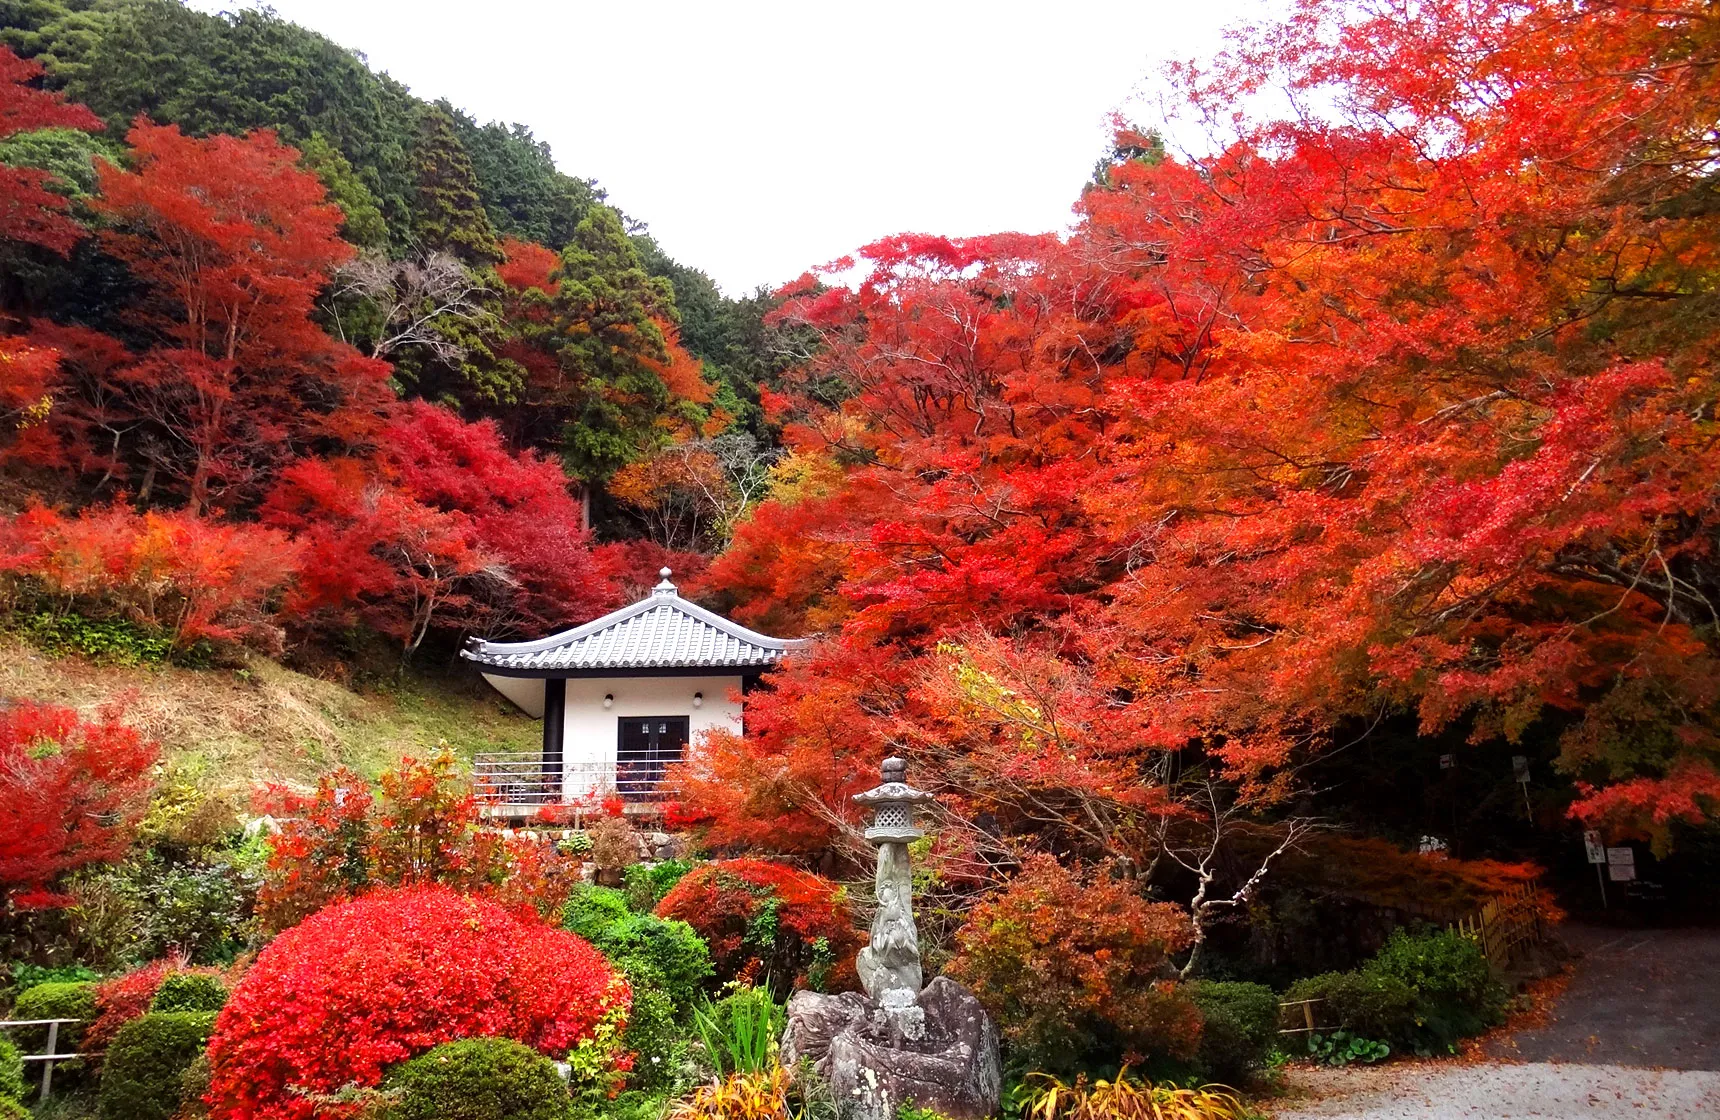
(666, 587)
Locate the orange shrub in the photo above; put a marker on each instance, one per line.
(189, 576)
(1075, 970)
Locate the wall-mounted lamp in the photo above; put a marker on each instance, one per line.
(698, 699)
(609, 700)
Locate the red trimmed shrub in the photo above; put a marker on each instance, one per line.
(766, 920)
(366, 984)
(124, 998)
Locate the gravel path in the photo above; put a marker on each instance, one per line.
(1636, 1035)
(1638, 998)
(1533, 1091)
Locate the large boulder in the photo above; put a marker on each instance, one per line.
(872, 1067)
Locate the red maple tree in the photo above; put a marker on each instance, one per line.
(71, 793)
(234, 242)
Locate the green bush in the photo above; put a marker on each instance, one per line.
(479, 1079)
(632, 1104)
(1239, 1023)
(1367, 1004)
(591, 909)
(1455, 994)
(71, 999)
(645, 884)
(201, 909)
(193, 1087)
(12, 1110)
(26, 975)
(112, 640)
(11, 1071)
(190, 991)
(143, 1074)
(655, 1038)
(661, 953)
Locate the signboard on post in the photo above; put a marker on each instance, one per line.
(1597, 851)
(1448, 762)
(1621, 864)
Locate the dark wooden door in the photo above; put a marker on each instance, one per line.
(647, 746)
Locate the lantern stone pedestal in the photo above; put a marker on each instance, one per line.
(934, 1047)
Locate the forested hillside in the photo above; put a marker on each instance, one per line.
(1337, 434)
(300, 358)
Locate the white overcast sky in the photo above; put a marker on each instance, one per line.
(758, 140)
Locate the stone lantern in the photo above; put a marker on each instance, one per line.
(893, 806)
(904, 1041)
(890, 966)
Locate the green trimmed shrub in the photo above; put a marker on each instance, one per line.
(591, 909)
(1368, 1005)
(69, 999)
(1455, 994)
(190, 991)
(645, 884)
(12, 1110)
(479, 1079)
(11, 1071)
(661, 953)
(143, 1074)
(1239, 1023)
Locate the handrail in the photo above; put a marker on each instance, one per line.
(1307, 1006)
(48, 1059)
(520, 780)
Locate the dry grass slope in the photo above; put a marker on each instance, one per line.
(266, 722)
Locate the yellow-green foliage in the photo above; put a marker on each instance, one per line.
(758, 1095)
(1044, 1097)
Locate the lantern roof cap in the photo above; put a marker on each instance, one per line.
(894, 787)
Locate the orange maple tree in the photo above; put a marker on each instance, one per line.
(1403, 402)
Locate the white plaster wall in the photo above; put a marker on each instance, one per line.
(591, 733)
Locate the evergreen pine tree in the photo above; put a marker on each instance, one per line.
(449, 215)
(609, 315)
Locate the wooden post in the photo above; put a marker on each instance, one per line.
(48, 1065)
(1308, 1014)
(554, 726)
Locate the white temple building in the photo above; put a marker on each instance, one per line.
(621, 697)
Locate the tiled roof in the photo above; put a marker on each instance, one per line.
(663, 631)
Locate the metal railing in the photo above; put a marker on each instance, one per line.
(49, 1057)
(509, 782)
